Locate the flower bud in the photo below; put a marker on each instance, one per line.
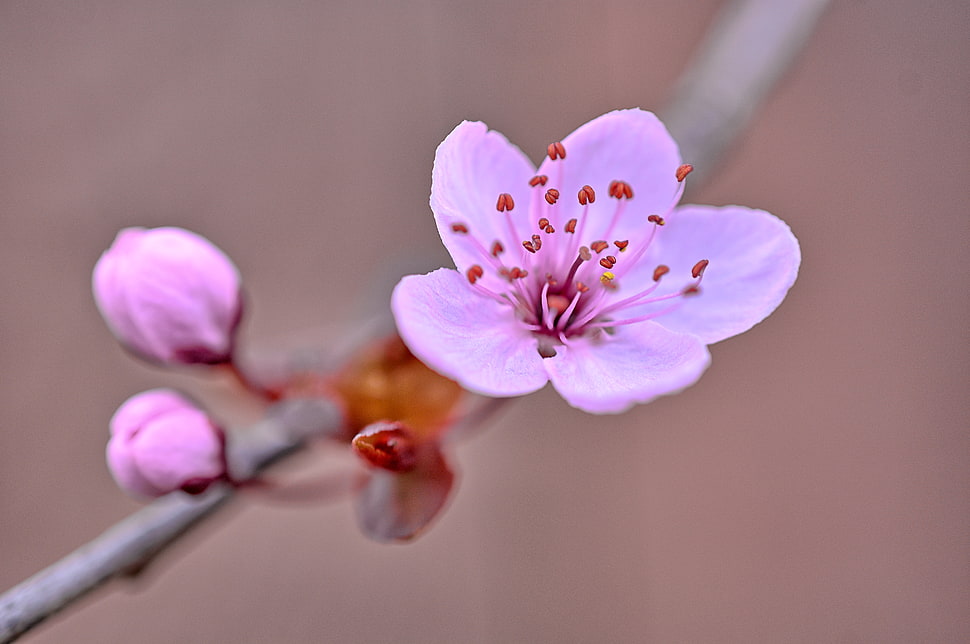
(169, 296)
(161, 442)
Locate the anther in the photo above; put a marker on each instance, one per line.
(571, 226)
(459, 228)
(556, 151)
(599, 246)
(693, 289)
(497, 248)
(550, 280)
(543, 222)
(549, 229)
(584, 254)
(552, 196)
(505, 202)
(538, 180)
(607, 277)
(621, 189)
(517, 273)
(656, 219)
(582, 288)
(608, 262)
(474, 273)
(660, 271)
(537, 242)
(622, 245)
(683, 171)
(528, 246)
(586, 195)
(699, 267)
(557, 304)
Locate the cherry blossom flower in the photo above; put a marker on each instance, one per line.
(586, 272)
(169, 296)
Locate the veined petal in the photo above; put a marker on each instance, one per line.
(625, 145)
(467, 336)
(754, 261)
(472, 167)
(608, 374)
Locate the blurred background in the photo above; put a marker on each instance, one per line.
(813, 486)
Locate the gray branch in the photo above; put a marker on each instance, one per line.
(749, 47)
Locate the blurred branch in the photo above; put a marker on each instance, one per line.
(748, 48)
(130, 545)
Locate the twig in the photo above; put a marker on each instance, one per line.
(130, 545)
(748, 48)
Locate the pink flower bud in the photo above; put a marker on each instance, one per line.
(169, 296)
(161, 442)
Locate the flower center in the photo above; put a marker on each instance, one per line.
(560, 287)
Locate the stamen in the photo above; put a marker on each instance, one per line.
(556, 151)
(699, 267)
(608, 262)
(538, 180)
(582, 288)
(586, 195)
(528, 246)
(621, 189)
(571, 226)
(543, 222)
(683, 171)
(537, 242)
(497, 248)
(549, 229)
(552, 196)
(459, 228)
(505, 202)
(660, 271)
(599, 246)
(656, 219)
(621, 245)
(474, 273)
(607, 277)
(693, 289)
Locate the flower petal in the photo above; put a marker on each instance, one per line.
(466, 335)
(609, 374)
(472, 167)
(625, 145)
(754, 259)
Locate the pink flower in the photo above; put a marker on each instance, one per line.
(169, 295)
(585, 273)
(161, 442)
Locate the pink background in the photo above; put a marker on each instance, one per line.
(812, 487)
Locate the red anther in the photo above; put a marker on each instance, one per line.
(504, 272)
(550, 280)
(505, 202)
(621, 189)
(528, 246)
(612, 190)
(556, 151)
(474, 273)
(552, 196)
(571, 226)
(586, 195)
(557, 304)
(582, 288)
(599, 245)
(656, 219)
(497, 248)
(621, 245)
(387, 445)
(549, 229)
(683, 171)
(517, 273)
(584, 254)
(699, 267)
(608, 262)
(459, 228)
(693, 289)
(538, 180)
(537, 241)
(543, 222)
(660, 271)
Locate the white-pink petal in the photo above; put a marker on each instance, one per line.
(754, 260)
(608, 374)
(466, 336)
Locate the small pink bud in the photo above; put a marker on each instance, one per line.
(169, 296)
(161, 442)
